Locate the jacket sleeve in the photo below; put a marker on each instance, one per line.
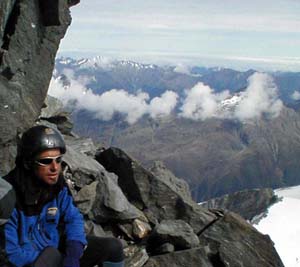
(16, 254)
(73, 219)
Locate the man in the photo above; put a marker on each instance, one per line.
(46, 228)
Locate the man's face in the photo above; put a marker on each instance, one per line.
(47, 166)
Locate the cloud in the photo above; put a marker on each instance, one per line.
(104, 106)
(201, 102)
(162, 106)
(182, 68)
(261, 96)
(296, 95)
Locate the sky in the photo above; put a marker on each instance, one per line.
(263, 33)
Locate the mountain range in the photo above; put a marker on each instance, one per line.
(215, 155)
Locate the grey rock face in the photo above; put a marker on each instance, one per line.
(151, 194)
(140, 229)
(53, 112)
(111, 204)
(5, 10)
(188, 258)
(135, 257)
(100, 197)
(84, 169)
(234, 242)
(176, 232)
(7, 200)
(165, 175)
(86, 197)
(27, 54)
(81, 145)
(94, 229)
(247, 203)
(52, 107)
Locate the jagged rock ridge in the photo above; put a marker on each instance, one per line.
(30, 33)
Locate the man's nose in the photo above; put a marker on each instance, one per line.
(54, 165)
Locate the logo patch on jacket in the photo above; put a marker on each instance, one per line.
(52, 211)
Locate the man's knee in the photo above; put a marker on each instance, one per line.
(116, 249)
(108, 248)
(50, 257)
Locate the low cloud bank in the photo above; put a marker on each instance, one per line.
(201, 102)
(104, 106)
(198, 103)
(260, 96)
(296, 95)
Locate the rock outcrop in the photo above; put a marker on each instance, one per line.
(153, 194)
(175, 230)
(247, 203)
(30, 33)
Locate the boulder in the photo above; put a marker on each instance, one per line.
(108, 201)
(135, 256)
(52, 107)
(83, 168)
(247, 203)
(86, 197)
(196, 257)
(140, 229)
(178, 185)
(111, 204)
(54, 112)
(177, 232)
(7, 156)
(82, 145)
(7, 200)
(94, 229)
(153, 195)
(164, 248)
(62, 121)
(234, 242)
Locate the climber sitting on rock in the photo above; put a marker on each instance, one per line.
(46, 228)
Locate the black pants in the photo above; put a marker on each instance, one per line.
(99, 249)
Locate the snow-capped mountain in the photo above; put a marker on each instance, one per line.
(101, 62)
(281, 223)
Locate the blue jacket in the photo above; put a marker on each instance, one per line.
(27, 235)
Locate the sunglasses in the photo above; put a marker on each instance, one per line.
(48, 160)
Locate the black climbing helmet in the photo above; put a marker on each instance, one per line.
(38, 139)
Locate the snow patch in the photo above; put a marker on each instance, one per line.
(282, 225)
